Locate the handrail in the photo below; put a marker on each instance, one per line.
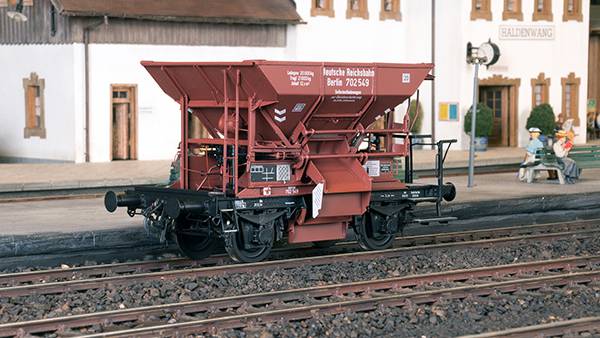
(354, 155)
(225, 178)
(355, 131)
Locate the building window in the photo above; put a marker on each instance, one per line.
(542, 10)
(572, 10)
(34, 106)
(540, 88)
(357, 9)
(390, 10)
(322, 7)
(480, 9)
(570, 99)
(512, 10)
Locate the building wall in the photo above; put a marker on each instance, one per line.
(522, 59)
(314, 41)
(38, 29)
(182, 33)
(367, 40)
(158, 115)
(54, 64)
(29, 46)
(409, 40)
(320, 39)
(450, 69)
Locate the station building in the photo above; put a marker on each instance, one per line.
(73, 90)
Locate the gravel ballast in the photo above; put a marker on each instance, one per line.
(185, 289)
(444, 318)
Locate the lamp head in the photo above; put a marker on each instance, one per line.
(489, 53)
(17, 14)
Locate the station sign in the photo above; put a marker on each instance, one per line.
(526, 32)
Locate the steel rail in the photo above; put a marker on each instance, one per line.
(303, 312)
(572, 327)
(97, 283)
(137, 315)
(52, 275)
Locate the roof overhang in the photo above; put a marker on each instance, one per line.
(277, 12)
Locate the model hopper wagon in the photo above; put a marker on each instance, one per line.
(291, 156)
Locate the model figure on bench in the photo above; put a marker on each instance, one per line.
(561, 148)
(534, 145)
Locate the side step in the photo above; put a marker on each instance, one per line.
(427, 221)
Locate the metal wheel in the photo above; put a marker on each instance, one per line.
(251, 243)
(369, 231)
(195, 239)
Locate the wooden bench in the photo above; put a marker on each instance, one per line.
(545, 159)
(585, 156)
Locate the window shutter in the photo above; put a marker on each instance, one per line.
(31, 116)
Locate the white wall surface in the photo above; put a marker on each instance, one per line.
(522, 59)
(366, 40)
(54, 64)
(158, 115)
(79, 101)
(320, 39)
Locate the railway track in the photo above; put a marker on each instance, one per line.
(47, 277)
(102, 282)
(297, 304)
(570, 328)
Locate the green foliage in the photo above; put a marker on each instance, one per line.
(542, 117)
(412, 112)
(483, 123)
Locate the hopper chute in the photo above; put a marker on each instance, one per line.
(319, 95)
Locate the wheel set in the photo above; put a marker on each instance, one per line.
(248, 242)
(195, 239)
(371, 231)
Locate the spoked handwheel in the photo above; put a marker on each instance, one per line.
(195, 239)
(375, 232)
(251, 243)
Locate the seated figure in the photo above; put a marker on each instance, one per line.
(561, 148)
(532, 148)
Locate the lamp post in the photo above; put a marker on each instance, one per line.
(473, 118)
(487, 54)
